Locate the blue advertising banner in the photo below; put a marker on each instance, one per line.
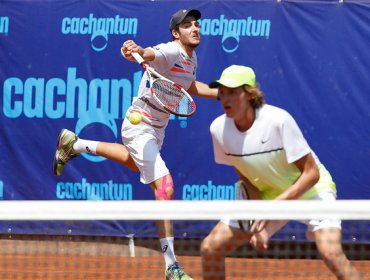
(61, 67)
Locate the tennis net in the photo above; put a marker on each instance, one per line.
(117, 239)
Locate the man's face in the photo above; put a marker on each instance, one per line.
(234, 100)
(189, 32)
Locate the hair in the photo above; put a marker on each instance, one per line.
(177, 28)
(258, 98)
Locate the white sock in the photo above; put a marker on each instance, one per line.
(168, 250)
(85, 146)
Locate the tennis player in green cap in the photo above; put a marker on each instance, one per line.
(273, 161)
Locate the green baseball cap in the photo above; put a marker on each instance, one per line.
(235, 76)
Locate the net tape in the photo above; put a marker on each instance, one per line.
(183, 210)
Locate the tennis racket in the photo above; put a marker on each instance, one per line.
(170, 95)
(242, 194)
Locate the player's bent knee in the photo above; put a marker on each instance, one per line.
(167, 194)
(207, 248)
(332, 256)
(164, 188)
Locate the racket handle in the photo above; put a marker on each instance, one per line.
(138, 57)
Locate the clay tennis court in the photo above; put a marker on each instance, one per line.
(108, 267)
(63, 258)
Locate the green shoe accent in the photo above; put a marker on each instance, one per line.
(176, 272)
(64, 151)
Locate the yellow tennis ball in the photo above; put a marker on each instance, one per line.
(135, 118)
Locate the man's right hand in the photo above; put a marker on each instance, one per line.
(128, 48)
(259, 241)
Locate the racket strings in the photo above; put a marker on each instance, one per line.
(173, 98)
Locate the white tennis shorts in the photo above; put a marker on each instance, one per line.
(312, 225)
(144, 143)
